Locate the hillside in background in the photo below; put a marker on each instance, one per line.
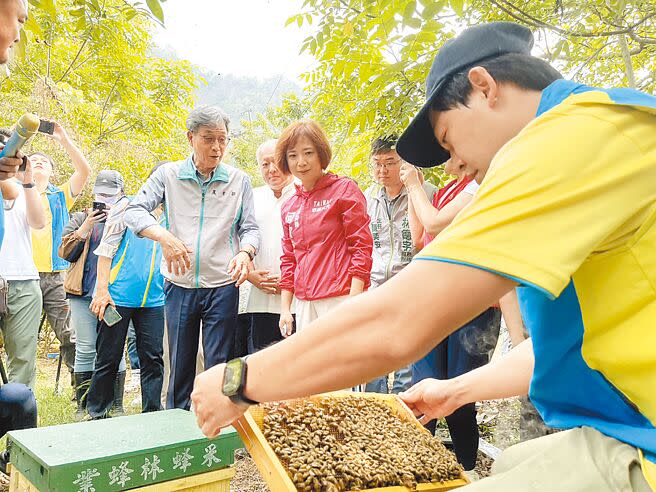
(242, 97)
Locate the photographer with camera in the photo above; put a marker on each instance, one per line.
(57, 203)
(82, 235)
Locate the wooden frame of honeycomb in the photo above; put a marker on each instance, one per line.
(277, 476)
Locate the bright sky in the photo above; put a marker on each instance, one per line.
(242, 37)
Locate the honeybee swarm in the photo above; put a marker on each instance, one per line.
(334, 444)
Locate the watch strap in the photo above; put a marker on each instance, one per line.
(239, 397)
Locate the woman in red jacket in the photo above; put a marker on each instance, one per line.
(327, 244)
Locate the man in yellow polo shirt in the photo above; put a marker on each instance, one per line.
(57, 202)
(566, 210)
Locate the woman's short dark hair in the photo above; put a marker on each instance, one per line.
(303, 128)
(524, 71)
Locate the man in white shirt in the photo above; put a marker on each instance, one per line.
(263, 307)
(20, 325)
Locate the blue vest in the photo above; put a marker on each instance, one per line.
(135, 280)
(59, 213)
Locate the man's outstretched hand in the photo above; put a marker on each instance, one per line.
(432, 399)
(213, 409)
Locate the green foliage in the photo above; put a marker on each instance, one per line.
(88, 66)
(152, 9)
(373, 56)
(598, 42)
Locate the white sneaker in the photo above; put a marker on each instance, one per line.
(135, 381)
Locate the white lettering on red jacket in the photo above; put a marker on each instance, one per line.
(326, 239)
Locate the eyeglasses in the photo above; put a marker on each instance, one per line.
(387, 165)
(223, 141)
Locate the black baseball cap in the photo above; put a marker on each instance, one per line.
(474, 45)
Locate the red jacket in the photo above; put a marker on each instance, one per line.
(326, 239)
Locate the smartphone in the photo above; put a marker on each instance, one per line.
(46, 126)
(111, 316)
(100, 206)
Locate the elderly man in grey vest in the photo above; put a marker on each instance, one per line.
(208, 247)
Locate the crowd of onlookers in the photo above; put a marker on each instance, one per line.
(160, 269)
(164, 270)
(165, 264)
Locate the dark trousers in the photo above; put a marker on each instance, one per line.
(464, 350)
(149, 330)
(241, 335)
(17, 408)
(263, 330)
(186, 309)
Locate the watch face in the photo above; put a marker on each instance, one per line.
(232, 377)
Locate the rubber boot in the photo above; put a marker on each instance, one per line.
(82, 384)
(119, 388)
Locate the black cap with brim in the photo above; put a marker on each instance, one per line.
(418, 145)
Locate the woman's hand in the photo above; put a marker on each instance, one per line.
(93, 217)
(286, 323)
(259, 279)
(59, 134)
(26, 176)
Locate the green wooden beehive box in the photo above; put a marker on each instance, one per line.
(120, 453)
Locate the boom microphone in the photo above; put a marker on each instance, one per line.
(27, 126)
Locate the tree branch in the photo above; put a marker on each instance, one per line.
(518, 14)
(586, 62)
(77, 55)
(109, 96)
(628, 64)
(641, 39)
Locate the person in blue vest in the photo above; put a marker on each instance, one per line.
(57, 202)
(17, 402)
(82, 236)
(128, 278)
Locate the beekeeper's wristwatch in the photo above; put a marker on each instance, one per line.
(234, 381)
